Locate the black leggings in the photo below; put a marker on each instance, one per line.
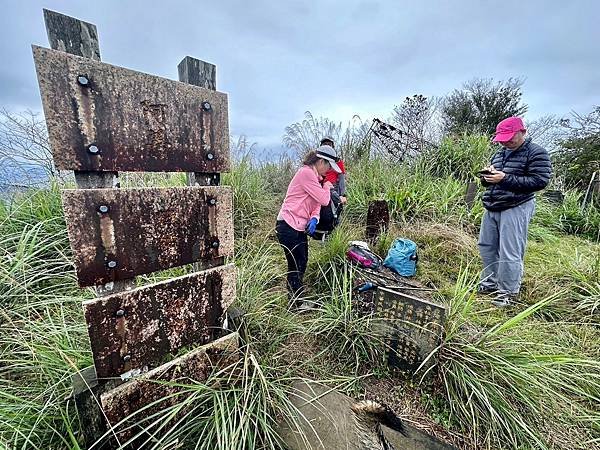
(295, 247)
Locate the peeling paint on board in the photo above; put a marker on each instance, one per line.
(137, 328)
(102, 117)
(161, 388)
(145, 230)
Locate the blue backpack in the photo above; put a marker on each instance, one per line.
(402, 257)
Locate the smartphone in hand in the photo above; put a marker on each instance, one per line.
(484, 172)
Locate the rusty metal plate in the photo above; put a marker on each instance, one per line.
(107, 118)
(134, 329)
(116, 234)
(415, 325)
(162, 388)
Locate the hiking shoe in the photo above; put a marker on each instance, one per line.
(294, 304)
(481, 290)
(503, 300)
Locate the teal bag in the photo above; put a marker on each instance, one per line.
(402, 257)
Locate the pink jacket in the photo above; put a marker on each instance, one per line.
(304, 199)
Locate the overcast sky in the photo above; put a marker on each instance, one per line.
(278, 59)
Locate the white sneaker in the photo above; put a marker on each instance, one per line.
(306, 306)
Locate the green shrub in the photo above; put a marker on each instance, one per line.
(569, 217)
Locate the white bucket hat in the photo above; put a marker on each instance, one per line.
(328, 153)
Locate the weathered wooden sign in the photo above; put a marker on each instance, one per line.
(106, 118)
(415, 327)
(102, 120)
(133, 329)
(158, 389)
(116, 234)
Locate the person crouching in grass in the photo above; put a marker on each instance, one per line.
(299, 215)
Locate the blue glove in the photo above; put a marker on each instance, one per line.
(311, 226)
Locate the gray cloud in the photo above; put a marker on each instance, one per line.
(279, 59)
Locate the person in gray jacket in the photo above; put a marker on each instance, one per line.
(517, 171)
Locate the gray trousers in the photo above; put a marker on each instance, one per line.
(502, 242)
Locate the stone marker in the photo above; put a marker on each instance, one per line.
(328, 422)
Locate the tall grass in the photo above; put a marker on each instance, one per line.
(347, 333)
(42, 334)
(261, 276)
(411, 193)
(588, 297)
(570, 217)
(513, 385)
(237, 407)
(523, 378)
(251, 201)
(41, 345)
(458, 157)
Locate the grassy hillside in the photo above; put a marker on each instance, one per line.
(525, 377)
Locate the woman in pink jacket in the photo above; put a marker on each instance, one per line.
(299, 215)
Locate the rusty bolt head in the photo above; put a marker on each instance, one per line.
(210, 156)
(120, 313)
(215, 244)
(93, 149)
(206, 106)
(111, 264)
(103, 209)
(83, 80)
(127, 358)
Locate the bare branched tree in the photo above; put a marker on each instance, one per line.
(25, 153)
(547, 131)
(583, 126)
(412, 128)
(416, 116)
(578, 157)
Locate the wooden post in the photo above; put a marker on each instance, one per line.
(378, 219)
(555, 197)
(200, 73)
(471, 194)
(73, 36)
(595, 189)
(87, 390)
(81, 38)
(197, 72)
(593, 186)
(203, 74)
